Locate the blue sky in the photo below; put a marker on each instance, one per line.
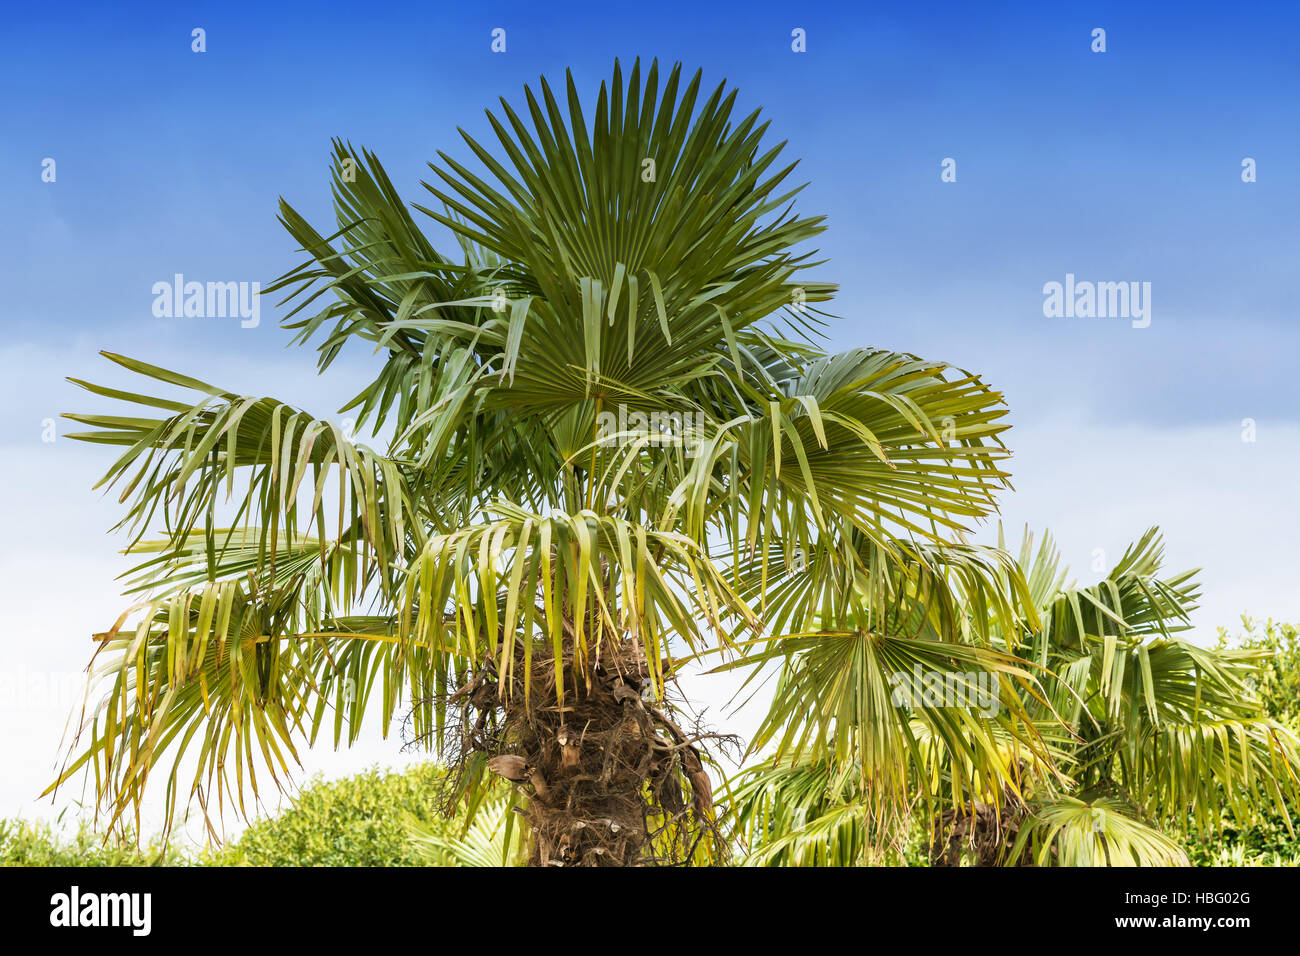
(1115, 166)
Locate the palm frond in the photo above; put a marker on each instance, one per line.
(1071, 832)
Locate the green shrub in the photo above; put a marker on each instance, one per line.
(1279, 685)
(1264, 844)
(357, 821)
(1267, 842)
(26, 843)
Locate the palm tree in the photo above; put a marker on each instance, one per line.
(607, 440)
(1150, 738)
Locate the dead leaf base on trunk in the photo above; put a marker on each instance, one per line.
(609, 776)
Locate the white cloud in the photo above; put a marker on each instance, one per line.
(1224, 505)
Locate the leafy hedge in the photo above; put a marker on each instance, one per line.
(23, 843)
(1269, 843)
(356, 821)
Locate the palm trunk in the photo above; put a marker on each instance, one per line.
(611, 779)
(589, 762)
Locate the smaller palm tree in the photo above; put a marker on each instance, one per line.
(1148, 736)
